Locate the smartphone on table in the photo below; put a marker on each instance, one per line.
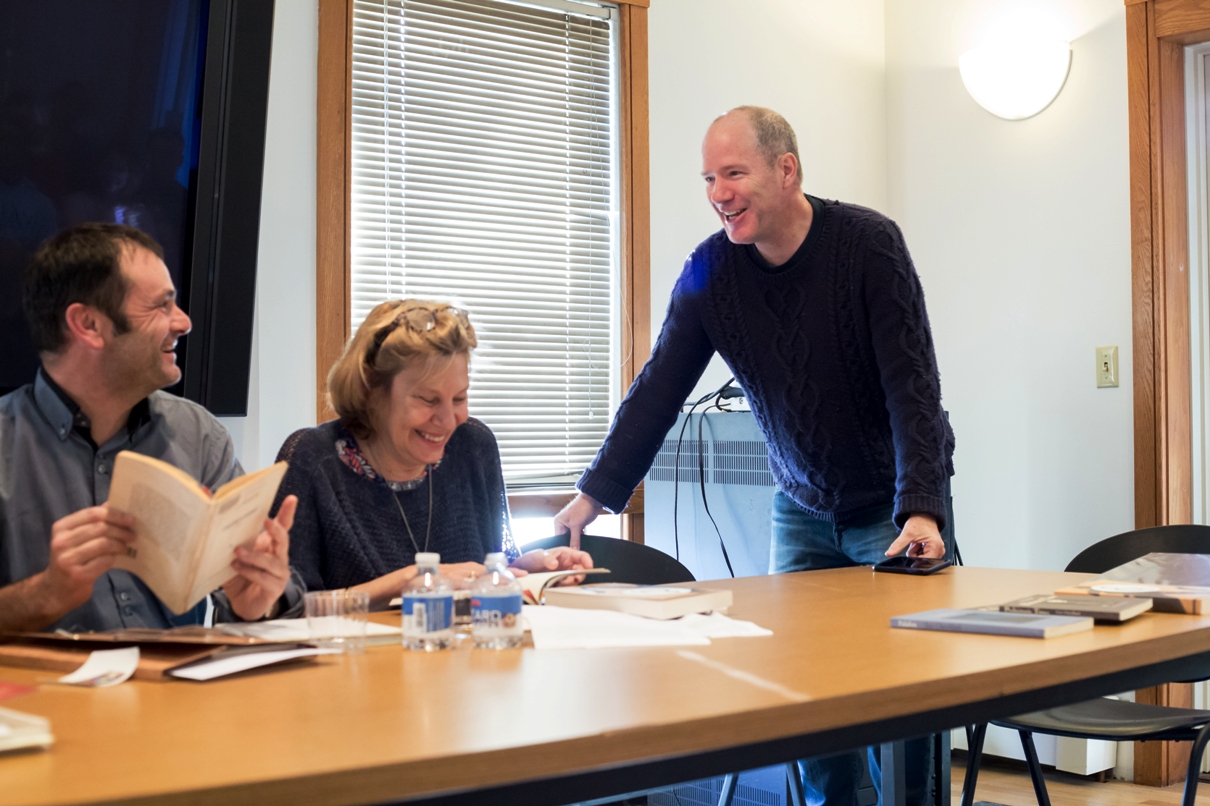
(912, 565)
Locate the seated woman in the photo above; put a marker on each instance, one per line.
(404, 469)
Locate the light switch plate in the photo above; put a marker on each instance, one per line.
(1107, 367)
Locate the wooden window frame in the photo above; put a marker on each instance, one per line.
(333, 211)
(1157, 32)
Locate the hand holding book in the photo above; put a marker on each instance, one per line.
(263, 570)
(189, 542)
(83, 546)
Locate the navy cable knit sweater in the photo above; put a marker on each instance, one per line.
(832, 349)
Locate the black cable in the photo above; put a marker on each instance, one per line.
(701, 470)
(676, 466)
(676, 483)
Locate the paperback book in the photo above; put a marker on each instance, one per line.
(185, 539)
(1097, 608)
(993, 622)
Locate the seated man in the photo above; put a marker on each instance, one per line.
(102, 312)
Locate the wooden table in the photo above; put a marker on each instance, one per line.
(555, 727)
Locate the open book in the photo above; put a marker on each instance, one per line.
(534, 585)
(650, 601)
(186, 539)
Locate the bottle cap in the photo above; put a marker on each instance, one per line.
(495, 558)
(428, 558)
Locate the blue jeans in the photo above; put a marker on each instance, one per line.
(802, 542)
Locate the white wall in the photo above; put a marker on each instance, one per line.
(1021, 234)
(1020, 231)
(817, 62)
(281, 395)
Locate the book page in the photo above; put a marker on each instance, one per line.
(240, 509)
(168, 518)
(535, 583)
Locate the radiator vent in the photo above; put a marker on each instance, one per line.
(665, 461)
(727, 462)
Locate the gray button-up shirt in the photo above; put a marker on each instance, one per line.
(48, 470)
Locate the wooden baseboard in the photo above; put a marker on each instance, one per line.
(1162, 763)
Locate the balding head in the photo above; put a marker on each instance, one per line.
(774, 136)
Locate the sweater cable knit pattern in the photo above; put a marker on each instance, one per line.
(833, 350)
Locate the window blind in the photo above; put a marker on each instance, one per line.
(484, 164)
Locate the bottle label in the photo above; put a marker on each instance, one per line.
(426, 615)
(496, 615)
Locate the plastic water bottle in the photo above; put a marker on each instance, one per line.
(496, 606)
(428, 607)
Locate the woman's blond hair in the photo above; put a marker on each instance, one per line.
(388, 342)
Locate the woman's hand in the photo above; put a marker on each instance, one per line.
(461, 572)
(560, 558)
(263, 571)
(389, 586)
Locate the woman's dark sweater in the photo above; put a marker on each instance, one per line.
(348, 530)
(834, 352)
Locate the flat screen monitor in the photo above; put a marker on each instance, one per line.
(149, 113)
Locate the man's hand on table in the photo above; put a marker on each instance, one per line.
(920, 537)
(582, 511)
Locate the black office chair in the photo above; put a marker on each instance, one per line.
(631, 563)
(1105, 719)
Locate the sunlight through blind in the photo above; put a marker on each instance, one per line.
(484, 164)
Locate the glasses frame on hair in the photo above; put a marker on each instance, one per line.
(419, 319)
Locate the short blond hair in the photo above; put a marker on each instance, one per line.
(774, 135)
(386, 344)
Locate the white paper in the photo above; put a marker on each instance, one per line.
(220, 667)
(716, 625)
(105, 667)
(578, 628)
(296, 629)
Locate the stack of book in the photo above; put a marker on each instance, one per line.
(1166, 582)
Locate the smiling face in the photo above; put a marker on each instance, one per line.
(415, 416)
(749, 195)
(143, 359)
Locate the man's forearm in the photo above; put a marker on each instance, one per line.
(27, 606)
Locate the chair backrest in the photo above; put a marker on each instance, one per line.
(627, 562)
(1121, 549)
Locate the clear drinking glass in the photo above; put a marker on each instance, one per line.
(337, 619)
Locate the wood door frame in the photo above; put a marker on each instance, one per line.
(333, 202)
(1157, 32)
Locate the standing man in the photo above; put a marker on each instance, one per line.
(103, 315)
(817, 310)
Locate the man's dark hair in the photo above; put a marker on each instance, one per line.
(81, 264)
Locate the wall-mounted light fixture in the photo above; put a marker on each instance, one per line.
(1016, 77)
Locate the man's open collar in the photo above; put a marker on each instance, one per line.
(65, 415)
